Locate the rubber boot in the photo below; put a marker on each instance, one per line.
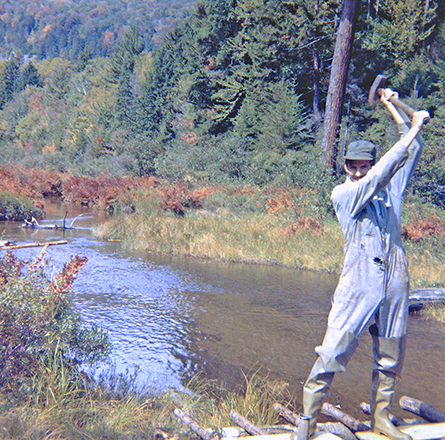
(388, 360)
(333, 356)
(315, 389)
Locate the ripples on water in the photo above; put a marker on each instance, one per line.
(175, 317)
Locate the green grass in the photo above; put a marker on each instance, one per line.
(256, 238)
(103, 413)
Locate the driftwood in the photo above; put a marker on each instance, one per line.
(422, 409)
(349, 421)
(290, 416)
(423, 431)
(34, 224)
(29, 245)
(203, 433)
(246, 425)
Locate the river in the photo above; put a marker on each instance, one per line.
(175, 316)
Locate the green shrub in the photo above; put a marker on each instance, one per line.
(43, 342)
(13, 207)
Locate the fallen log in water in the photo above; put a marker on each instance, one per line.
(421, 297)
(421, 409)
(29, 245)
(34, 224)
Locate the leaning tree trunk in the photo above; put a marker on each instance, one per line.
(337, 83)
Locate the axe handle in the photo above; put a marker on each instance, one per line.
(400, 104)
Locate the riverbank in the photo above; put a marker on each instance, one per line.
(260, 238)
(288, 226)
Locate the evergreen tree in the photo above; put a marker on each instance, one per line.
(9, 78)
(217, 73)
(399, 30)
(122, 67)
(29, 75)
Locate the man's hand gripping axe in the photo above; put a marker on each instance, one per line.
(376, 92)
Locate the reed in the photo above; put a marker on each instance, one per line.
(102, 413)
(250, 238)
(258, 239)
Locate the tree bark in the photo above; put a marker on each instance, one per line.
(316, 65)
(337, 83)
(422, 409)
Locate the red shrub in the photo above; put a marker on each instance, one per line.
(303, 224)
(420, 228)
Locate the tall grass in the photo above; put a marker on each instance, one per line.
(258, 239)
(249, 238)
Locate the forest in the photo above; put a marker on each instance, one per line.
(228, 91)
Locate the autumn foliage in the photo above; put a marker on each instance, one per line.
(421, 228)
(30, 182)
(307, 224)
(178, 197)
(103, 192)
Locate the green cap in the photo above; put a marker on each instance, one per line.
(361, 150)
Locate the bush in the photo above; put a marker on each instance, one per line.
(42, 338)
(13, 207)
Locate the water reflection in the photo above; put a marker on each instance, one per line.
(175, 317)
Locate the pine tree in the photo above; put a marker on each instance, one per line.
(401, 29)
(121, 71)
(29, 76)
(9, 78)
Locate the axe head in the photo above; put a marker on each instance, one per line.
(374, 95)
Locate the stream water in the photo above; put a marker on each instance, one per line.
(175, 317)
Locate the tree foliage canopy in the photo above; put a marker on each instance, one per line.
(236, 91)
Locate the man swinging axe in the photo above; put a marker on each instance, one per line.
(374, 282)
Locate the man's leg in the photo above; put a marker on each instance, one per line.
(333, 356)
(388, 360)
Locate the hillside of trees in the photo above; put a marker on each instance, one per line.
(65, 28)
(234, 93)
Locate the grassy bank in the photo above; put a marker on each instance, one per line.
(123, 414)
(290, 226)
(257, 239)
(262, 237)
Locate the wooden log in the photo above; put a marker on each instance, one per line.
(290, 416)
(246, 425)
(29, 245)
(352, 423)
(287, 436)
(203, 433)
(421, 409)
